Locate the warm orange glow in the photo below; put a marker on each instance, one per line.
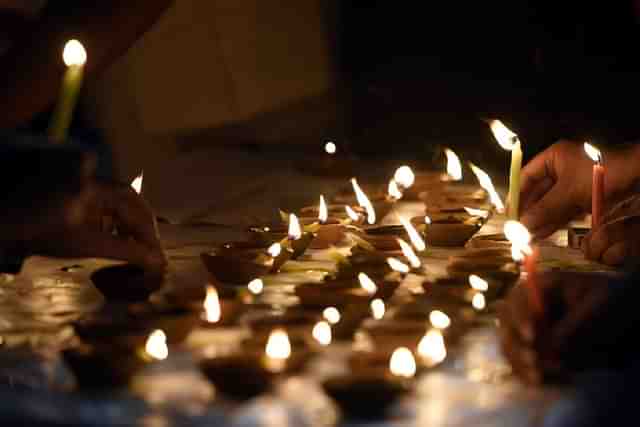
(439, 319)
(74, 53)
(323, 212)
(402, 363)
(367, 284)
(332, 315)
(295, 232)
(156, 345)
(397, 265)
(477, 212)
(330, 147)
(593, 153)
(519, 237)
(211, 305)
(507, 139)
(322, 333)
(487, 184)
(278, 345)
(377, 308)
(275, 249)
(409, 254)
(393, 190)
(136, 184)
(364, 202)
(256, 286)
(353, 215)
(416, 240)
(427, 220)
(478, 301)
(431, 348)
(404, 177)
(454, 168)
(478, 283)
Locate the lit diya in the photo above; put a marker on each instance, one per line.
(217, 305)
(344, 291)
(492, 263)
(126, 282)
(447, 231)
(297, 323)
(329, 231)
(496, 240)
(292, 237)
(376, 207)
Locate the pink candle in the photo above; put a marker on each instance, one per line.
(597, 195)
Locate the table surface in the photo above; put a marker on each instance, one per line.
(472, 387)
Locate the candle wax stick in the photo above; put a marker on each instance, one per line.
(63, 113)
(514, 181)
(535, 297)
(597, 196)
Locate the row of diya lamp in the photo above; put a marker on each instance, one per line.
(397, 339)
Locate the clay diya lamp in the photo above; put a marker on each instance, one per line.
(335, 213)
(239, 266)
(490, 263)
(498, 240)
(384, 237)
(373, 263)
(217, 305)
(344, 291)
(126, 282)
(268, 235)
(450, 316)
(465, 289)
(388, 334)
(448, 232)
(298, 324)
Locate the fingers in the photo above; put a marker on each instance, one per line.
(534, 193)
(555, 207)
(537, 170)
(612, 237)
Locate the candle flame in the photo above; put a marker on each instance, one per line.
(505, 137)
(477, 212)
(332, 315)
(439, 319)
(74, 53)
(353, 215)
(330, 147)
(156, 345)
(427, 219)
(519, 237)
(367, 284)
(393, 190)
(409, 254)
(275, 250)
(404, 176)
(478, 283)
(414, 236)
(593, 153)
(212, 305)
(454, 168)
(278, 345)
(136, 184)
(397, 265)
(364, 202)
(487, 184)
(322, 333)
(323, 212)
(431, 348)
(377, 308)
(402, 363)
(295, 232)
(256, 286)
(478, 301)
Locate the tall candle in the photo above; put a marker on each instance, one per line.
(74, 57)
(597, 185)
(531, 282)
(520, 238)
(509, 141)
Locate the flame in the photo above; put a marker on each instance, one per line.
(402, 363)
(479, 302)
(294, 227)
(478, 283)
(507, 139)
(593, 153)
(454, 168)
(256, 286)
(519, 237)
(404, 176)
(377, 308)
(136, 184)
(74, 53)
(332, 315)
(275, 249)
(439, 319)
(431, 348)
(393, 190)
(408, 252)
(322, 333)
(427, 219)
(212, 305)
(330, 147)
(416, 240)
(364, 201)
(323, 212)
(397, 265)
(278, 345)
(351, 213)
(367, 284)
(156, 345)
(487, 184)
(477, 212)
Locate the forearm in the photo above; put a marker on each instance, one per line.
(32, 69)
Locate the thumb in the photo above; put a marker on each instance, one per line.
(555, 207)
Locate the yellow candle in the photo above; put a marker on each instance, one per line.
(509, 141)
(74, 57)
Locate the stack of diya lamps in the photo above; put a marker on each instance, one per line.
(334, 272)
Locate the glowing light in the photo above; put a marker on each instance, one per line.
(353, 215)
(439, 319)
(256, 286)
(402, 363)
(212, 305)
(507, 139)
(278, 345)
(322, 333)
(323, 212)
(330, 147)
(404, 176)
(295, 232)
(431, 348)
(454, 168)
(477, 212)
(156, 345)
(275, 249)
(519, 237)
(478, 283)
(409, 254)
(74, 53)
(487, 184)
(397, 265)
(136, 184)
(364, 202)
(367, 284)
(427, 220)
(416, 240)
(593, 153)
(377, 308)
(478, 301)
(332, 315)
(393, 190)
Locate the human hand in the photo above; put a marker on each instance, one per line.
(556, 184)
